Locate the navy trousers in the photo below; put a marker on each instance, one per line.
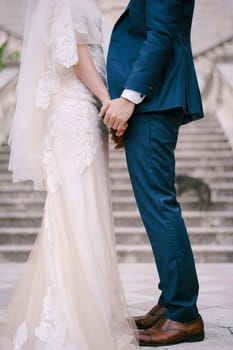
(150, 142)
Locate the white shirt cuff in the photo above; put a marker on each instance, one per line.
(133, 96)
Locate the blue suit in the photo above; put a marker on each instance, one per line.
(150, 53)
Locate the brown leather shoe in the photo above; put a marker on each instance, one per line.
(148, 320)
(168, 332)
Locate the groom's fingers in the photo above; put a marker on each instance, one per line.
(116, 125)
(121, 129)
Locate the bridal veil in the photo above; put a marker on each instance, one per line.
(52, 31)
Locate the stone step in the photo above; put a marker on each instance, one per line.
(203, 154)
(221, 188)
(121, 175)
(217, 189)
(195, 162)
(38, 207)
(20, 219)
(214, 206)
(202, 253)
(6, 176)
(192, 218)
(202, 131)
(209, 177)
(181, 154)
(123, 218)
(204, 127)
(208, 235)
(187, 203)
(127, 203)
(3, 169)
(4, 157)
(20, 197)
(17, 194)
(214, 123)
(190, 145)
(38, 198)
(14, 253)
(187, 145)
(124, 235)
(193, 142)
(189, 154)
(198, 235)
(22, 203)
(4, 149)
(132, 253)
(185, 141)
(22, 187)
(188, 165)
(205, 138)
(198, 140)
(188, 162)
(18, 235)
(208, 125)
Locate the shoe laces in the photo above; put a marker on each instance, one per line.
(160, 322)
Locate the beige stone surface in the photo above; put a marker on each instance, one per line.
(140, 285)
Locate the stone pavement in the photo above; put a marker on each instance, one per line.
(140, 281)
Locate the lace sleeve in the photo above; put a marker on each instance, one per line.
(69, 22)
(62, 36)
(72, 23)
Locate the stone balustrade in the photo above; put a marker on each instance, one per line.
(8, 81)
(9, 68)
(224, 73)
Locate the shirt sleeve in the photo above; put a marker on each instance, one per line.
(133, 96)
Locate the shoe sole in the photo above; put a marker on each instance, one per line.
(143, 328)
(190, 339)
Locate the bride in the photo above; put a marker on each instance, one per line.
(70, 296)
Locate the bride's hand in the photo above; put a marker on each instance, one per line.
(105, 101)
(117, 113)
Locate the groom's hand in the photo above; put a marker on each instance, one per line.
(116, 114)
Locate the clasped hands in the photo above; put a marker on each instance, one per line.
(116, 114)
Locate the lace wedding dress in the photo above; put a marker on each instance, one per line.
(70, 296)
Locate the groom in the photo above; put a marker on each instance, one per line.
(154, 91)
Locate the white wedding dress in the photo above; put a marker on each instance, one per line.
(70, 297)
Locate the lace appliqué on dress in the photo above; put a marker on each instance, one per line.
(48, 86)
(77, 121)
(52, 329)
(47, 224)
(20, 337)
(52, 178)
(89, 134)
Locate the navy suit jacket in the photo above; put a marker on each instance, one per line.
(150, 52)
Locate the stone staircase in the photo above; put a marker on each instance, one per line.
(203, 151)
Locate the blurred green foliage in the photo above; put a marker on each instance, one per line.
(2, 50)
(12, 57)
